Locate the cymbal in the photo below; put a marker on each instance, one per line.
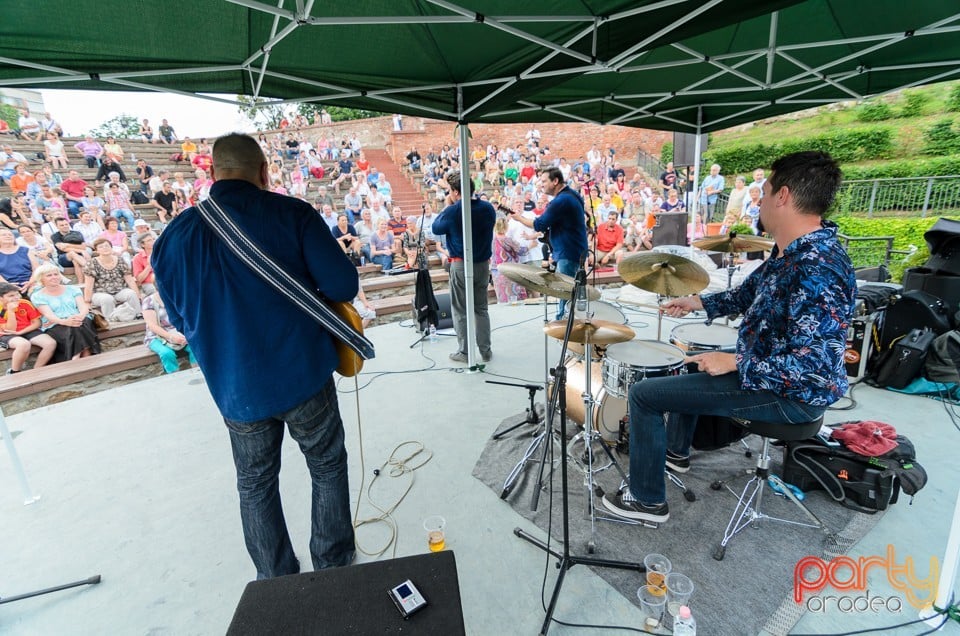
(537, 279)
(734, 243)
(663, 273)
(598, 332)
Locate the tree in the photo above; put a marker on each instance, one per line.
(260, 110)
(122, 126)
(10, 115)
(337, 113)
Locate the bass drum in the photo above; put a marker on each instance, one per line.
(608, 411)
(601, 311)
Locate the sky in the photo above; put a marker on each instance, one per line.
(79, 111)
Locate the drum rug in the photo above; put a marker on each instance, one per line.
(759, 563)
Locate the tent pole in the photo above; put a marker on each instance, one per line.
(465, 182)
(695, 201)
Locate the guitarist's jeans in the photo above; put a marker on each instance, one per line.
(458, 303)
(316, 426)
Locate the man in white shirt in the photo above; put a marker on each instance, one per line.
(30, 129)
(88, 228)
(365, 228)
(758, 180)
(326, 213)
(425, 221)
(378, 213)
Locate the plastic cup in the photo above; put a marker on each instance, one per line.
(435, 525)
(652, 604)
(658, 567)
(513, 299)
(679, 591)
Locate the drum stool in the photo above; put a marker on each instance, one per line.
(748, 511)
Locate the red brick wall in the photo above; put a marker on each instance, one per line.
(566, 140)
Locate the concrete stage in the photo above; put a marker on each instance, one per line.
(137, 485)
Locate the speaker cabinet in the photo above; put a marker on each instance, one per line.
(354, 600)
(671, 229)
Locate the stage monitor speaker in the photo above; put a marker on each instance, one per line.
(444, 312)
(354, 600)
(671, 229)
(685, 148)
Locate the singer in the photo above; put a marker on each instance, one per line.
(788, 367)
(450, 223)
(564, 217)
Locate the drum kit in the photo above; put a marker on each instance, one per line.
(599, 345)
(611, 353)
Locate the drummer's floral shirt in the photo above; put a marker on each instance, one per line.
(796, 310)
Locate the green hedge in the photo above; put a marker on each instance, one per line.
(933, 167)
(941, 139)
(10, 115)
(874, 111)
(666, 153)
(868, 254)
(857, 144)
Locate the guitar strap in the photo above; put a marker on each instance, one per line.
(262, 264)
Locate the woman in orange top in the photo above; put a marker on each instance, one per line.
(20, 179)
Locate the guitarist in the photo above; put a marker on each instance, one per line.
(265, 361)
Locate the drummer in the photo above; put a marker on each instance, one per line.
(788, 367)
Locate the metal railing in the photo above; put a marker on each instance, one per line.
(649, 164)
(907, 197)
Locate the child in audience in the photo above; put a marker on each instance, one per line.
(20, 324)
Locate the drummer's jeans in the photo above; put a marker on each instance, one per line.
(569, 268)
(685, 397)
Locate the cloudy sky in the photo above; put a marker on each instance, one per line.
(79, 111)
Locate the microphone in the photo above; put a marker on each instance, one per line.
(582, 290)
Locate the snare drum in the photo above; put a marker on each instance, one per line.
(630, 362)
(601, 311)
(698, 338)
(608, 410)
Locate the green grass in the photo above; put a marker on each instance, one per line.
(908, 138)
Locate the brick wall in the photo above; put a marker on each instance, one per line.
(568, 140)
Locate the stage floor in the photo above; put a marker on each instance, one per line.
(137, 485)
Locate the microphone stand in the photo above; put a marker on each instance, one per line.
(567, 560)
(532, 416)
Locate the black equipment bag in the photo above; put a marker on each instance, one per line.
(858, 482)
(943, 285)
(139, 198)
(943, 239)
(913, 310)
(715, 431)
(903, 362)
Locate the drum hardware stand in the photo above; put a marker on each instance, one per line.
(533, 417)
(539, 439)
(93, 580)
(566, 559)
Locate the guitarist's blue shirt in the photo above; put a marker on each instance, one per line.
(260, 354)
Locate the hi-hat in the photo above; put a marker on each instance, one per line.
(663, 273)
(537, 279)
(598, 332)
(734, 243)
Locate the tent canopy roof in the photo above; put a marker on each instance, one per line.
(665, 64)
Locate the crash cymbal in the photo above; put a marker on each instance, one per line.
(734, 243)
(598, 332)
(664, 274)
(537, 279)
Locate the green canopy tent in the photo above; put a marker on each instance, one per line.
(685, 65)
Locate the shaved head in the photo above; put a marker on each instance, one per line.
(238, 156)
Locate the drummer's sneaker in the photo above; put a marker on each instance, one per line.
(678, 463)
(624, 505)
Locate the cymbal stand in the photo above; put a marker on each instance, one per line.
(528, 455)
(567, 560)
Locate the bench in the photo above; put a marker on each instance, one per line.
(118, 335)
(55, 383)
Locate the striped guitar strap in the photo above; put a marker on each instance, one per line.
(263, 265)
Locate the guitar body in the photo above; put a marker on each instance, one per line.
(349, 363)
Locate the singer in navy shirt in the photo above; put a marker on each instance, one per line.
(450, 223)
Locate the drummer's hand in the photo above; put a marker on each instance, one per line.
(679, 307)
(714, 362)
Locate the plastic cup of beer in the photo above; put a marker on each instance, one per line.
(679, 591)
(658, 567)
(652, 604)
(435, 525)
